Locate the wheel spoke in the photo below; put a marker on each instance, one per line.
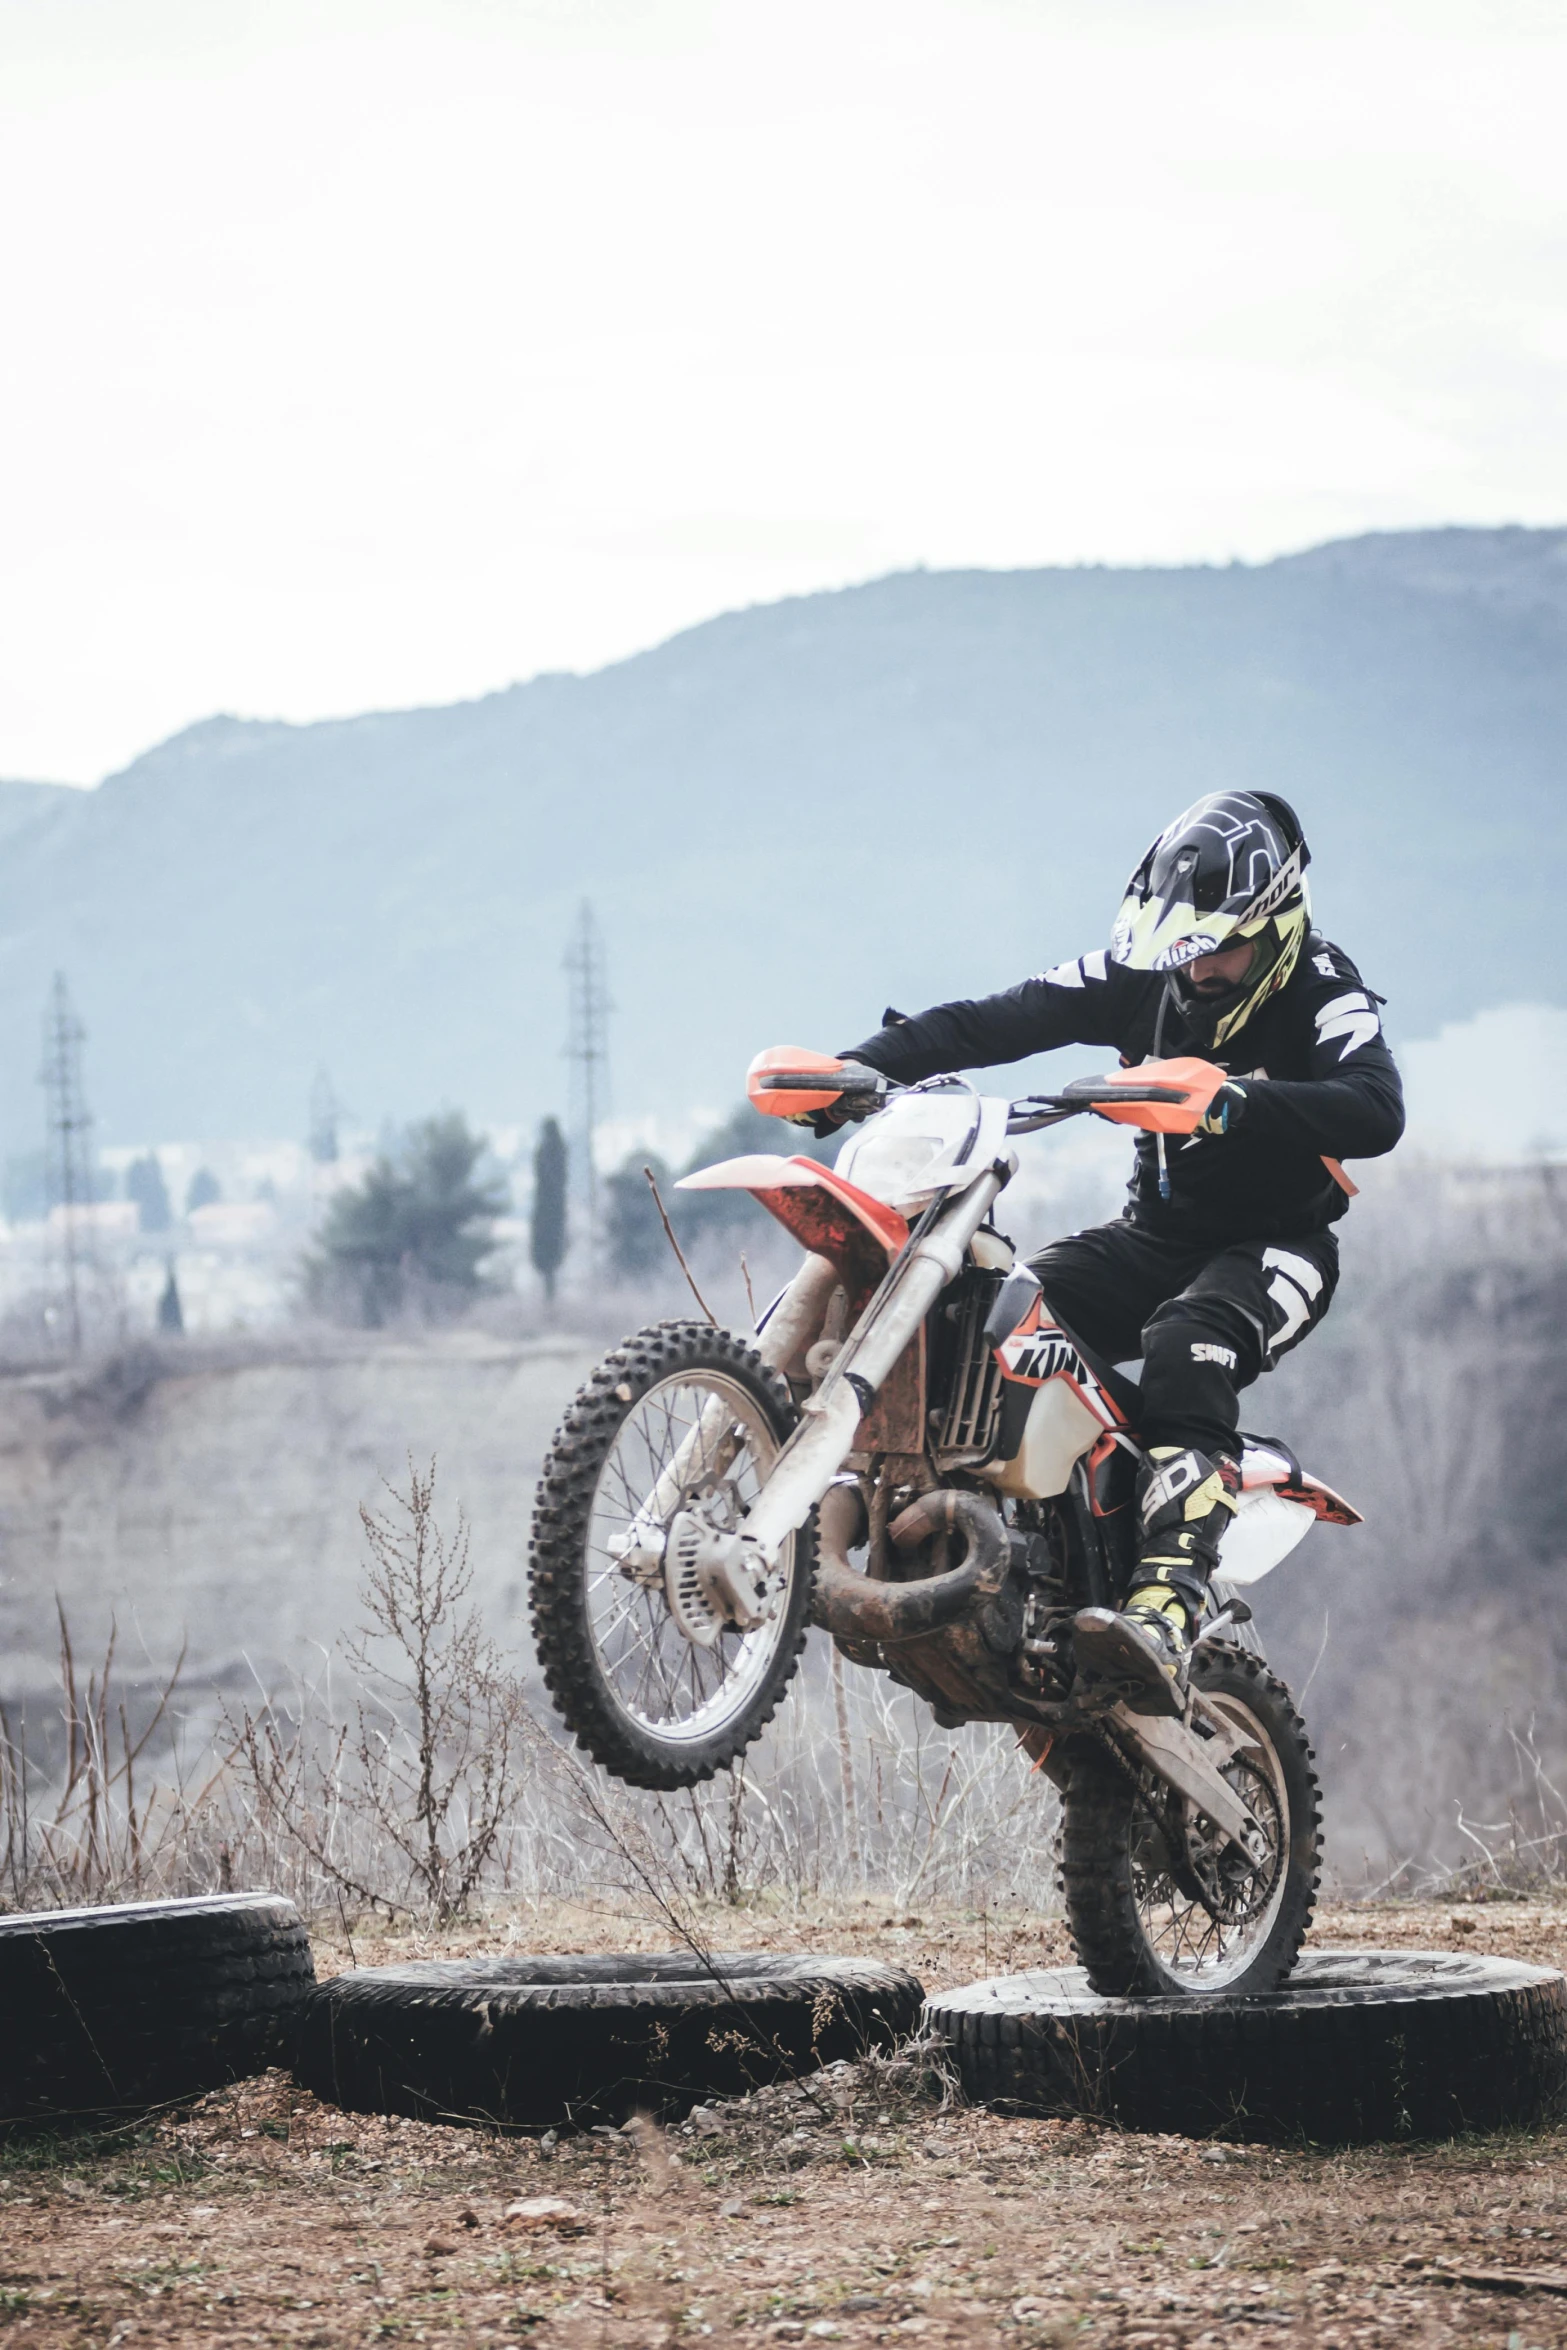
(662, 1679)
(1200, 1943)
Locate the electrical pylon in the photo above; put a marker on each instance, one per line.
(68, 1161)
(587, 1056)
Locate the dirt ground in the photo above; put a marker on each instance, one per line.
(870, 2210)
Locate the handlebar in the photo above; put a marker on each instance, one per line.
(854, 1092)
(857, 1081)
(1084, 1092)
(1023, 1120)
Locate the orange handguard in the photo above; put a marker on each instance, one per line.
(791, 1060)
(1193, 1083)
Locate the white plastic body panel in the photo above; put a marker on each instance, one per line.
(921, 1145)
(1264, 1529)
(1059, 1429)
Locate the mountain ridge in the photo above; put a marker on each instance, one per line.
(787, 815)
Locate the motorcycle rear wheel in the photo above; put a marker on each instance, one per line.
(653, 1707)
(1138, 1930)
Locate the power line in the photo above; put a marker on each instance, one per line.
(587, 1055)
(68, 1159)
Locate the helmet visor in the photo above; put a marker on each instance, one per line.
(1165, 934)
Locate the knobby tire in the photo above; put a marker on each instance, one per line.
(558, 1554)
(1098, 1832)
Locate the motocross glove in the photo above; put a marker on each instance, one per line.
(1225, 1111)
(848, 1106)
(823, 1122)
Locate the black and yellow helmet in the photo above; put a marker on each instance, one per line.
(1232, 867)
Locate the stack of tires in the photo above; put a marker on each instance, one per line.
(109, 2011)
(114, 2010)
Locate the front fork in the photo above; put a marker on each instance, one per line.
(736, 1569)
(830, 1419)
(705, 1454)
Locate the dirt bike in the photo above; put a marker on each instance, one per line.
(911, 1401)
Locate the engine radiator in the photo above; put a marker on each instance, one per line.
(968, 1425)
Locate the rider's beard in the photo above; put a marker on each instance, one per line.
(1211, 989)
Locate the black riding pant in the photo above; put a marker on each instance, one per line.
(1205, 1320)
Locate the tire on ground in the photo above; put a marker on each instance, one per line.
(541, 2042)
(108, 2011)
(1359, 2045)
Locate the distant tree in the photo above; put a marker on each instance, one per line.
(634, 1236)
(205, 1190)
(421, 1219)
(171, 1315)
(145, 1185)
(547, 1238)
(416, 1230)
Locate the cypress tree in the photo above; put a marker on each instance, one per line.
(548, 1236)
(171, 1315)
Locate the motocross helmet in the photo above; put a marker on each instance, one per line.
(1233, 867)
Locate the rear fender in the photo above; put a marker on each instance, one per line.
(1272, 1468)
(1277, 1508)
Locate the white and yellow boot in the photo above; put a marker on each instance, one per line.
(1185, 1502)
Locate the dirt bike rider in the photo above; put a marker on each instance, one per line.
(1224, 1257)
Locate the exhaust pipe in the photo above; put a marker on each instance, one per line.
(853, 1606)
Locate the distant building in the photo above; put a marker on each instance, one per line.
(109, 1219)
(233, 1223)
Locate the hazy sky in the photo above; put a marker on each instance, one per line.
(369, 352)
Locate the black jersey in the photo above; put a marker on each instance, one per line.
(1321, 1083)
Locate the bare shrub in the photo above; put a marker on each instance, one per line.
(77, 1825)
(405, 1803)
(877, 1799)
(406, 1773)
(1433, 1397)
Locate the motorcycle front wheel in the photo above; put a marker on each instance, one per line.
(680, 1417)
(1158, 1902)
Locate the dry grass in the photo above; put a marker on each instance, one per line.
(262, 2216)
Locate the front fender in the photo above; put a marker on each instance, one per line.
(826, 1213)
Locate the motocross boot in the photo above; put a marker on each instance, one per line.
(1185, 1502)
